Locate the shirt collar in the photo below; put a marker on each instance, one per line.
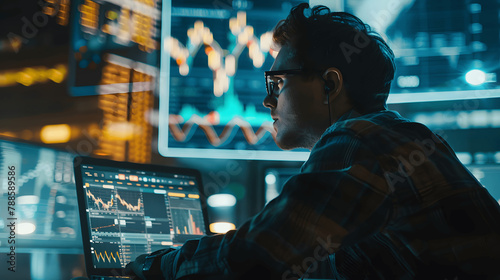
(351, 114)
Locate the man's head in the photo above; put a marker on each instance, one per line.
(339, 64)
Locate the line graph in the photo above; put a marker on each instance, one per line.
(212, 104)
(107, 226)
(129, 201)
(224, 65)
(106, 255)
(104, 225)
(100, 257)
(102, 199)
(183, 134)
(222, 62)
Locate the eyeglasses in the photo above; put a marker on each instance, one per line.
(271, 85)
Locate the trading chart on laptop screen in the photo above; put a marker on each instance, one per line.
(134, 212)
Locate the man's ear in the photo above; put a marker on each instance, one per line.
(334, 82)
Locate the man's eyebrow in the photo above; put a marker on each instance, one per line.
(275, 76)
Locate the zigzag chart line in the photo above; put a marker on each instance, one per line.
(180, 134)
(128, 205)
(105, 206)
(107, 257)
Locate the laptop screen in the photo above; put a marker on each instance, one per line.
(133, 209)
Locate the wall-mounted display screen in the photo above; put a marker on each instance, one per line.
(115, 46)
(214, 56)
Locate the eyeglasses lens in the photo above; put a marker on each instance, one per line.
(271, 86)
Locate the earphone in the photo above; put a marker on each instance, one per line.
(327, 91)
(328, 88)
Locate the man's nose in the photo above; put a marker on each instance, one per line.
(270, 101)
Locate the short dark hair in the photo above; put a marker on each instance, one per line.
(327, 39)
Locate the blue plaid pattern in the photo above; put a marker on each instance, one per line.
(380, 197)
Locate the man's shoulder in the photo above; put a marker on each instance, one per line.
(347, 138)
(378, 131)
(366, 124)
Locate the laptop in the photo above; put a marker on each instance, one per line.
(128, 209)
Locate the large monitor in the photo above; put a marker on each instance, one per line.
(44, 207)
(212, 80)
(215, 53)
(115, 46)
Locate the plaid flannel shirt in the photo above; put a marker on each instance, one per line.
(380, 197)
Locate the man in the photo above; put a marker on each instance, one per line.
(379, 198)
